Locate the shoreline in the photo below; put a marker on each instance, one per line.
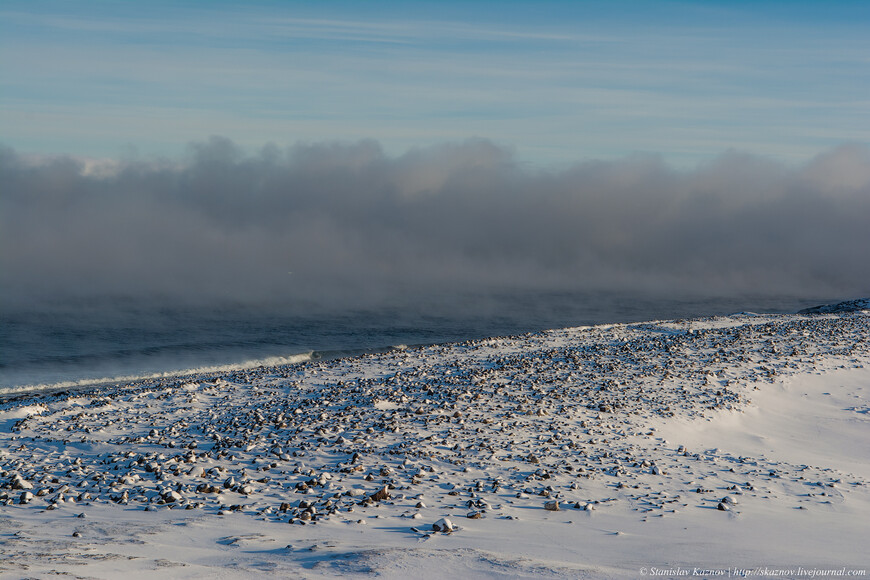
(114, 358)
(546, 454)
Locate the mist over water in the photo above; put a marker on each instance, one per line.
(147, 266)
(329, 227)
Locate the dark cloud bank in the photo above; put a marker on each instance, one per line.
(346, 225)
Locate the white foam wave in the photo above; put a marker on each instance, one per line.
(249, 364)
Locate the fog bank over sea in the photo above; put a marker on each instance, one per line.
(330, 227)
(111, 268)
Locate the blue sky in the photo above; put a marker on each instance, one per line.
(557, 82)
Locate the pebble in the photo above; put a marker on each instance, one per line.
(443, 525)
(19, 482)
(382, 494)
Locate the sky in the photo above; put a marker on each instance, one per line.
(364, 153)
(558, 82)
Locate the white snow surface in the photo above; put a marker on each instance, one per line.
(636, 432)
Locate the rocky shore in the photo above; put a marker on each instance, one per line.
(528, 452)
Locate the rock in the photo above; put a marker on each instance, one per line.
(552, 506)
(474, 515)
(381, 495)
(443, 525)
(19, 482)
(722, 507)
(25, 497)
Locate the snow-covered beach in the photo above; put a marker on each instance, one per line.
(707, 447)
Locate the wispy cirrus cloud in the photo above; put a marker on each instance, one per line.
(592, 81)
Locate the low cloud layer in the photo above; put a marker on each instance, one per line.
(345, 225)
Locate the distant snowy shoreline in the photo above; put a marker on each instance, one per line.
(722, 442)
(77, 344)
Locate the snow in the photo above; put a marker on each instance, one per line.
(813, 419)
(23, 411)
(638, 432)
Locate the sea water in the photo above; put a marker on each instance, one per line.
(100, 341)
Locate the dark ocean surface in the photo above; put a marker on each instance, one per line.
(87, 343)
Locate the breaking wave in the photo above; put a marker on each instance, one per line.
(132, 378)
